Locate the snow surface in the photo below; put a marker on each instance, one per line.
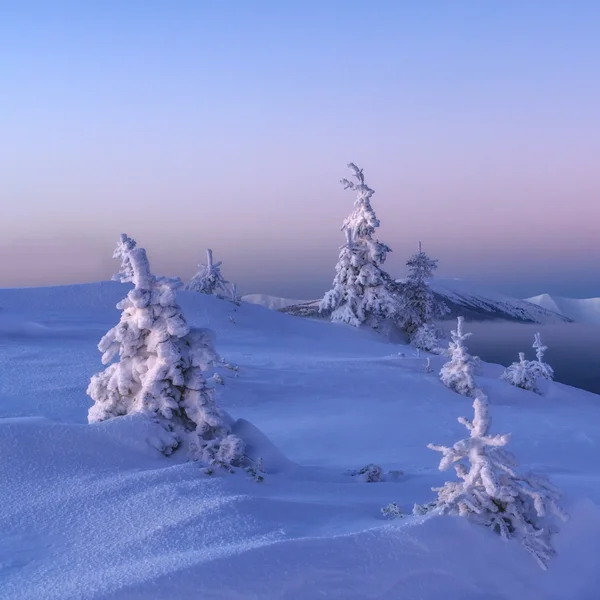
(580, 310)
(93, 512)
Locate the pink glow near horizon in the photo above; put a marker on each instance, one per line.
(482, 142)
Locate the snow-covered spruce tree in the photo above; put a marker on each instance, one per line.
(159, 372)
(124, 247)
(362, 291)
(521, 374)
(491, 493)
(208, 280)
(419, 307)
(458, 373)
(425, 338)
(539, 367)
(525, 373)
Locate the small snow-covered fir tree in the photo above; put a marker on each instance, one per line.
(525, 373)
(425, 338)
(419, 306)
(124, 247)
(208, 279)
(491, 493)
(541, 368)
(458, 373)
(521, 374)
(362, 292)
(159, 372)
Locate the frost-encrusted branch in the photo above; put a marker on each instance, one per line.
(540, 367)
(124, 247)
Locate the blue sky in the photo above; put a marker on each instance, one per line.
(229, 125)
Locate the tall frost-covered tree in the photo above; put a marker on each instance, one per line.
(362, 291)
(124, 247)
(208, 279)
(490, 491)
(459, 372)
(159, 372)
(419, 307)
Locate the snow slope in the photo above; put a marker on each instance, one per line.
(475, 302)
(580, 310)
(92, 512)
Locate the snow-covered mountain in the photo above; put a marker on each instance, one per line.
(330, 398)
(272, 302)
(464, 298)
(477, 303)
(580, 310)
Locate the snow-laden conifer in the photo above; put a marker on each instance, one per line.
(491, 493)
(362, 292)
(124, 247)
(458, 373)
(208, 279)
(159, 372)
(425, 338)
(521, 374)
(419, 306)
(525, 373)
(539, 366)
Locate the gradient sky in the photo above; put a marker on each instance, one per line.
(228, 124)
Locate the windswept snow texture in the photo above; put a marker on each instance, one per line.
(477, 303)
(580, 310)
(91, 512)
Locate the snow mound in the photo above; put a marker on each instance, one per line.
(580, 310)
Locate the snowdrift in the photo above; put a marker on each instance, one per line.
(93, 512)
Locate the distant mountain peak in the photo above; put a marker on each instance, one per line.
(580, 310)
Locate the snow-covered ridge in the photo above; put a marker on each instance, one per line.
(580, 310)
(464, 298)
(272, 302)
(476, 302)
